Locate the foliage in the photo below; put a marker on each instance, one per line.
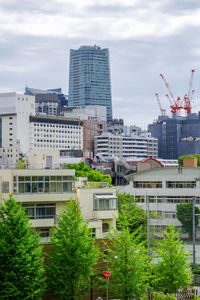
(82, 170)
(180, 159)
(21, 262)
(74, 255)
(185, 216)
(127, 261)
(135, 215)
(161, 296)
(21, 164)
(171, 272)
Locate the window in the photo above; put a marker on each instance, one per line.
(147, 184)
(44, 184)
(40, 211)
(104, 202)
(181, 184)
(5, 187)
(105, 227)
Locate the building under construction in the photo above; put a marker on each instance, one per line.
(177, 135)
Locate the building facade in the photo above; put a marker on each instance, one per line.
(109, 145)
(177, 137)
(57, 133)
(165, 188)
(89, 78)
(43, 194)
(15, 111)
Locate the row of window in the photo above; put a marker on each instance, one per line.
(168, 199)
(43, 184)
(57, 126)
(169, 184)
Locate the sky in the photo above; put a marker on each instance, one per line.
(145, 38)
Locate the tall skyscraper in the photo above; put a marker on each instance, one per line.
(89, 78)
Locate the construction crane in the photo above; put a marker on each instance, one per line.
(177, 104)
(188, 97)
(162, 110)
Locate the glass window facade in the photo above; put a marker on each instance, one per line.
(105, 202)
(89, 78)
(40, 211)
(181, 184)
(147, 184)
(43, 184)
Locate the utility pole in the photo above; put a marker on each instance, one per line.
(148, 227)
(193, 218)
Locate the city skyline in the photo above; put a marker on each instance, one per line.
(144, 39)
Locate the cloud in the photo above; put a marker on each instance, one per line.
(145, 38)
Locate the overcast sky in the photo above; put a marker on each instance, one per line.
(145, 38)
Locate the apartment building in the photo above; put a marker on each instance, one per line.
(109, 145)
(165, 188)
(43, 193)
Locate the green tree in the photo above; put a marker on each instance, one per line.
(21, 261)
(136, 216)
(171, 272)
(73, 256)
(185, 216)
(82, 170)
(127, 261)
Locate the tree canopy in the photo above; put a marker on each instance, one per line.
(127, 261)
(21, 262)
(136, 216)
(73, 256)
(171, 271)
(185, 216)
(82, 170)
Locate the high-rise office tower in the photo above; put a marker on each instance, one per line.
(89, 78)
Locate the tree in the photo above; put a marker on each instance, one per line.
(185, 216)
(127, 260)
(171, 272)
(82, 170)
(21, 262)
(136, 216)
(73, 256)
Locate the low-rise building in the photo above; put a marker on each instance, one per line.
(164, 188)
(44, 192)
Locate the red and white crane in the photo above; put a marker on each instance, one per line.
(162, 110)
(177, 104)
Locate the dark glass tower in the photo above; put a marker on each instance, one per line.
(89, 78)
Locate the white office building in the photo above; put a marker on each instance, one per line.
(109, 145)
(15, 111)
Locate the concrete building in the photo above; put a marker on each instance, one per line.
(43, 194)
(89, 112)
(109, 145)
(89, 78)
(15, 111)
(48, 102)
(57, 133)
(94, 124)
(165, 188)
(177, 137)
